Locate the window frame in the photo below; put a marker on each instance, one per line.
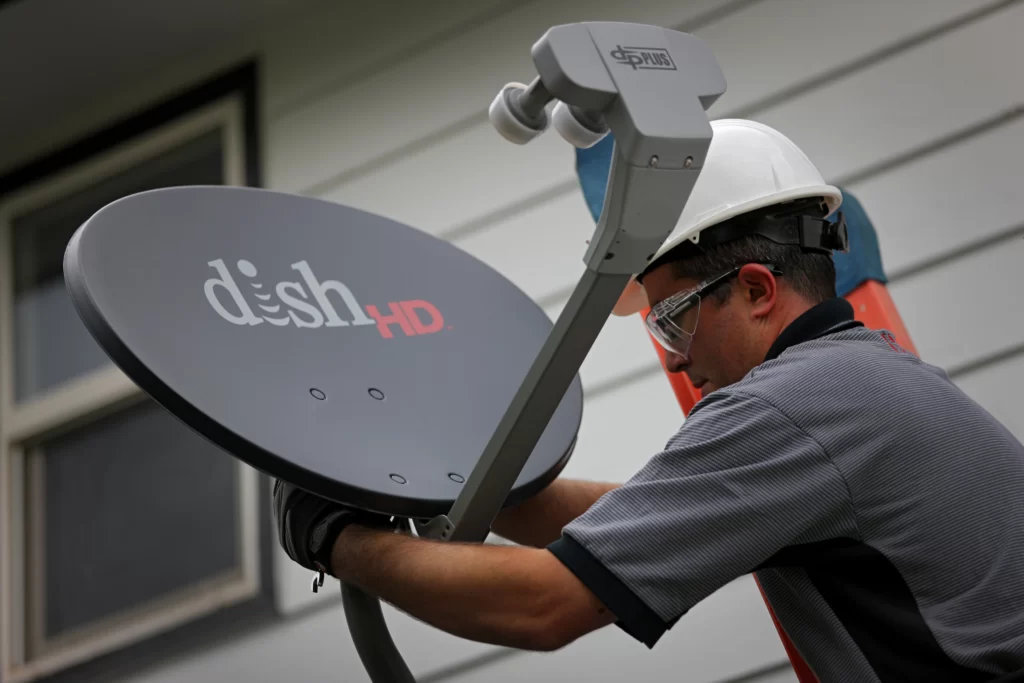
(227, 103)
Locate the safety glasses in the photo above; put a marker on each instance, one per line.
(673, 321)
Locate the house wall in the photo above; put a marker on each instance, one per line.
(915, 106)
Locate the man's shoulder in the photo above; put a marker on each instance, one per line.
(852, 363)
(844, 358)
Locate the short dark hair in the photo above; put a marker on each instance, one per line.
(810, 273)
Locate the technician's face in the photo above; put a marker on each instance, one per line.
(717, 354)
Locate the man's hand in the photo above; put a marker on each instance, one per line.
(308, 525)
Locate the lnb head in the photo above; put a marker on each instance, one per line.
(580, 128)
(648, 86)
(518, 111)
(519, 115)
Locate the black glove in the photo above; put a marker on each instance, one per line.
(308, 525)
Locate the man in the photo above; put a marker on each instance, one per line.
(879, 506)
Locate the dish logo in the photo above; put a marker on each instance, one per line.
(288, 303)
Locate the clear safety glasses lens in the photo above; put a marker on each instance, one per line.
(673, 324)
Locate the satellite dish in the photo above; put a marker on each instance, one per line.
(356, 357)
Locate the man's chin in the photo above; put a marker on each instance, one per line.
(706, 386)
(697, 382)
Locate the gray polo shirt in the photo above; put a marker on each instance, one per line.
(881, 509)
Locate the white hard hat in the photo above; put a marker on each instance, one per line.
(749, 166)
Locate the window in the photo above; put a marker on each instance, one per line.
(118, 522)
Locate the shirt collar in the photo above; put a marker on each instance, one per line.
(831, 315)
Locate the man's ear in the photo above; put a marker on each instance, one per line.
(759, 287)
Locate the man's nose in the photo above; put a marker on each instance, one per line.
(674, 362)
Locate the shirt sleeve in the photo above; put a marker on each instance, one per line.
(738, 483)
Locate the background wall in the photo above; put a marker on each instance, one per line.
(915, 106)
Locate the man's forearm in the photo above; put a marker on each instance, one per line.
(538, 521)
(510, 596)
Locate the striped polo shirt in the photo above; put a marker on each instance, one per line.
(880, 507)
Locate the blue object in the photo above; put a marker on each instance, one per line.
(862, 263)
(864, 260)
(593, 167)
